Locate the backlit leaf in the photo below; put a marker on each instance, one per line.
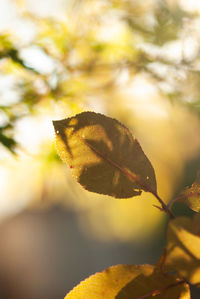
(108, 283)
(158, 284)
(129, 281)
(191, 195)
(103, 155)
(183, 248)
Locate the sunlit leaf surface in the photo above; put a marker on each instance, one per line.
(129, 281)
(183, 248)
(104, 156)
(108, 283)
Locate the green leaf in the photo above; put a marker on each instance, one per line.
(183, 248)
(8, 142)
(158, 284)
(103, 155)
(130, 281)
(191, 195)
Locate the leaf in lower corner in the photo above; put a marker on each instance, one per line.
(107, 284)
(103, 155)
(130, 281)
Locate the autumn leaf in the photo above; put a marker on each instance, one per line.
(108, 283)
(130, 281)
(183, 248)
(103, 155)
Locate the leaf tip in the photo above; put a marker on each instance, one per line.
(57, 126)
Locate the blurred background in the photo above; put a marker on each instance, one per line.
(136, 61)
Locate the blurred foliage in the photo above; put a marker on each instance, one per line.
(88, 58)
(86, 61)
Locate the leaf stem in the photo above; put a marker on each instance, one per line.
(181, 197)
(159, 291)
(165, 208)
(134, 178)
(148, 189)
(172, 202)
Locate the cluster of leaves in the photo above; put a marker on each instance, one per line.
(106, 158)
(103, 155)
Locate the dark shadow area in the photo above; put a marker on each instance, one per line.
(195, 292)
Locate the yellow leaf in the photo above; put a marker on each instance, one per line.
(183, 248)
(103, 155)
(108, 283)
(129, 281)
